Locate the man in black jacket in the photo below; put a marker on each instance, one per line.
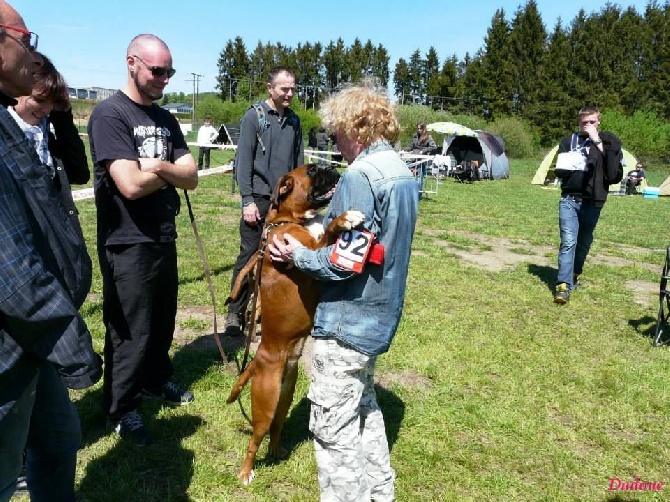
(594, 163)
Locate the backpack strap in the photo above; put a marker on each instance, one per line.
(574, 141)
(262, 123)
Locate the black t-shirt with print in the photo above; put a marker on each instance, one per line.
(119, 128)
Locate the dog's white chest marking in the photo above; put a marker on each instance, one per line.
(315, 226)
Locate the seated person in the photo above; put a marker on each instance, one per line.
(422, 142)
(484, 171)
(634, 178)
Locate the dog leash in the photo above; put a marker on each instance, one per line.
(262, 246)
(208, 275)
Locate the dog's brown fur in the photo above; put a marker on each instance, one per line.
(288, 302)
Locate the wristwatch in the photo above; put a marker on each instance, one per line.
(597, 141)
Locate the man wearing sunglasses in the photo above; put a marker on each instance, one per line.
(140, 159)
(45, 274)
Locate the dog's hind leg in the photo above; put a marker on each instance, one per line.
(247, 270)
(285, 399)
(265, 388)
(240, 383)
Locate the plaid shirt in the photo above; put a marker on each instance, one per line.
(45, 274)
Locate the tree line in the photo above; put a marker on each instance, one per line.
(615, 58)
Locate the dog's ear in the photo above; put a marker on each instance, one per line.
(283, 187)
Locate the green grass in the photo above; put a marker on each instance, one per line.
(490, 391)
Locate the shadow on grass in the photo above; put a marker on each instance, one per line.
(646, 326)
(159, 472)
(189, 367)
(619, 498)
(204, 348)
(393, 410)
(545, 274)
(201, 277)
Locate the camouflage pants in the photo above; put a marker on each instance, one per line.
(352, 453)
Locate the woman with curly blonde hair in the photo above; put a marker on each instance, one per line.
(359, 311)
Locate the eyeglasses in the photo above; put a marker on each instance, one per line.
(28, 40)
(157, 71)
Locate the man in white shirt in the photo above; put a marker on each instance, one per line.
(206, 136)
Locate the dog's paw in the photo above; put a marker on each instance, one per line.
(353, 219)
(247, 478)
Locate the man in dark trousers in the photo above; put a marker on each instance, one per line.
(594, 164)
(270, 146)
(140, 158)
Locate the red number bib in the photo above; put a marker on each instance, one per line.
(351, 250)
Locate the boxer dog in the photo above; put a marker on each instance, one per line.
(288, 300)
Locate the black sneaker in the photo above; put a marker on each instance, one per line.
(233, 326)
(131, 427)
(562, 293)
(171, 393)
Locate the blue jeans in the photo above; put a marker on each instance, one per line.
(45, 423)
(577, 221)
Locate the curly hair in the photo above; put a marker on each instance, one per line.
(361, 112)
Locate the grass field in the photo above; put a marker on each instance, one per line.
(490, 391)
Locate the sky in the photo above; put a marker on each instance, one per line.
(87, 39)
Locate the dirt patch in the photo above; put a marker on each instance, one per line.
(645, 293)
(406, 379)
(496, 254)
(192, 323)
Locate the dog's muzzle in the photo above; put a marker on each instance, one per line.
(323, 181)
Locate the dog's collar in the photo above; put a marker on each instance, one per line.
(264, 236)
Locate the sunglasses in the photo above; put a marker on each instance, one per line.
(28, 40)
(157, 71)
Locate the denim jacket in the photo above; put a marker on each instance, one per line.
(363, 310)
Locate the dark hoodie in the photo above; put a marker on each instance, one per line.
(603, 169)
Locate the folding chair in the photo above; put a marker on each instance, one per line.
(662, 325)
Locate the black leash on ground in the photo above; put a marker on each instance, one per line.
(208, 275)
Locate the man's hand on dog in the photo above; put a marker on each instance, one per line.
(251, 215)
(283, 251)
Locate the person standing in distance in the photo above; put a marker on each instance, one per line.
(584, 188)
(358, 312)
(270, 146)
(206, 136)
(45, 272)
(140, 158)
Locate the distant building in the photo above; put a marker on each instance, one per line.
(94, 93)
(179, 108)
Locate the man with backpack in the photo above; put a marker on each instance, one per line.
(270, 146)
